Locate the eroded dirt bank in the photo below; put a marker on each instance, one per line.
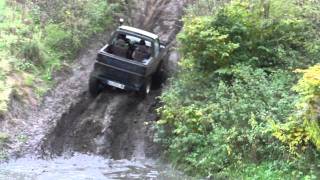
(115, 123)
(27, 123)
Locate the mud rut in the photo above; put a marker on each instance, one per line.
(115, 123)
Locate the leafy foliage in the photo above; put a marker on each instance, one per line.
(303, 126)
(221, 112)
(238, 33)
(205, 7)
(4, 138)
(38, 36)
(212, 47)
(218, 124)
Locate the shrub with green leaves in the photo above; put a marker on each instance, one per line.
(235, 79)
(240, 33)
(57, 38)
(303, 126)
(210, 48)
(36, 37)
(216, 124)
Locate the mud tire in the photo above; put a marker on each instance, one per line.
(95, 86)
(145, 89)
(159, 77)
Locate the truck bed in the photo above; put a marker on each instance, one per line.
(109, 67)
(122, 64)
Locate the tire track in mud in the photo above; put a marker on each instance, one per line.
(113, 124)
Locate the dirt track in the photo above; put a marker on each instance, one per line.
(114, 123)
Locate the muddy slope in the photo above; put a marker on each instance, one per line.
(114, 123)
(27, 123)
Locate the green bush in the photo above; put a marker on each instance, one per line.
(235, 80)
(2, 6)
(303, 126)
(210, 48)
(31, 52)
(4, 138)
(266, 170)
(79, 20)
(240, 34)
(58, 39)
(217, 124)
(205, 7)
(38, 36)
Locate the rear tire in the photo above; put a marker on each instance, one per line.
(95, 86)
(146, 88)
(159, 77)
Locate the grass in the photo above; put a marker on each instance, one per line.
(4, 138)
(32, 50)
(6, 84)
(3, 64)
(2, 5)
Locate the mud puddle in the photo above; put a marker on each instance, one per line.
(85, 167)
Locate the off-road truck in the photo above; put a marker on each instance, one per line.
(131, 60)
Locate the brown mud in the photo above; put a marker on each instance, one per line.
(116, 124)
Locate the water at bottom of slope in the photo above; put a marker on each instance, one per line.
(85, 167)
